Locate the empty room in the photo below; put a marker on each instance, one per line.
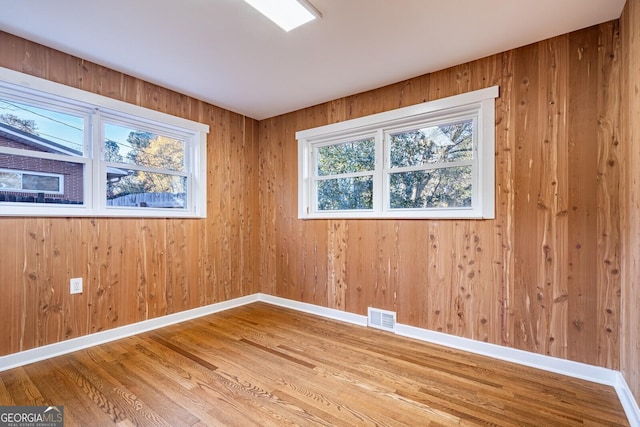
(320, 212)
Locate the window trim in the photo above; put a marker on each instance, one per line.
(479, 104)
(91, 106)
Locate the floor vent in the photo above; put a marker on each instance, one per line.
(382, 319)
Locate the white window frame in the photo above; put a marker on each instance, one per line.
(477, 105)
(22, 190)
(93, 108)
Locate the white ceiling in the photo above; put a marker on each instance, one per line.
(226, 53)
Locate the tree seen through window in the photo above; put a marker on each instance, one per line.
(432, 170)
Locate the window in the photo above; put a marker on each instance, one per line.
(38, 182)
(431, 160)
(67, 152)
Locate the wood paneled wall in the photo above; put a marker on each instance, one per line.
(544, 276)
(133, 269)
(630, 352)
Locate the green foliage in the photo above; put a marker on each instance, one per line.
(348, 157)
(349, 192)
(437, 144)
(346, 193)
(138, 141)
(436, 188)
(112, 152)
(439, 186)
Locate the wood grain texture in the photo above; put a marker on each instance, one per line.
(609, 198)
(267, 366)
(630, 146)
(544, 276)
(582, 271)
(133, 269)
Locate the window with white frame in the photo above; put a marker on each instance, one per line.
(431, 160)
(31, 182)
(67, 152)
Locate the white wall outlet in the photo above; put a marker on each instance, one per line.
(75, 285)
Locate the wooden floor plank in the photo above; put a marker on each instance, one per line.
(262, 365)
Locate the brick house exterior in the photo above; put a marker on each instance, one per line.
(72, 172)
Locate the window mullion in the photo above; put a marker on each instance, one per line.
(96, 168)
(144, 169)
(431, 166)
(344, 175)
(380, 183)
(312, 196)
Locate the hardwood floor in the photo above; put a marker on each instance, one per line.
(261, 365)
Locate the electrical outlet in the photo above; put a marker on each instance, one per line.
(75, 285)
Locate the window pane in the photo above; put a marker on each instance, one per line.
(345, 193)
(132, 146)
(436, 144)
(28, 127)
(35, 180)
(39, 182)
(348, 157)
(438, 188)
(145, 189)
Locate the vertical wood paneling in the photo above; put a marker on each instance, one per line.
(544, 276)
(218, 182)
(154, 269)
(538, 277)
(525, 307)
(630, 146)
(553, 197)
(436, 282)
(541, 138)
(11, 272)
(583, 148)
(608, 196)
(419, 304)
(133, 269)
(503, 264)
(250, 223)
(336, 261)
(183, 264)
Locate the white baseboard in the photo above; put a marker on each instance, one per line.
(628, 402)
(552, 364)
(52, 350)
(329, 313)
(569, 368)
